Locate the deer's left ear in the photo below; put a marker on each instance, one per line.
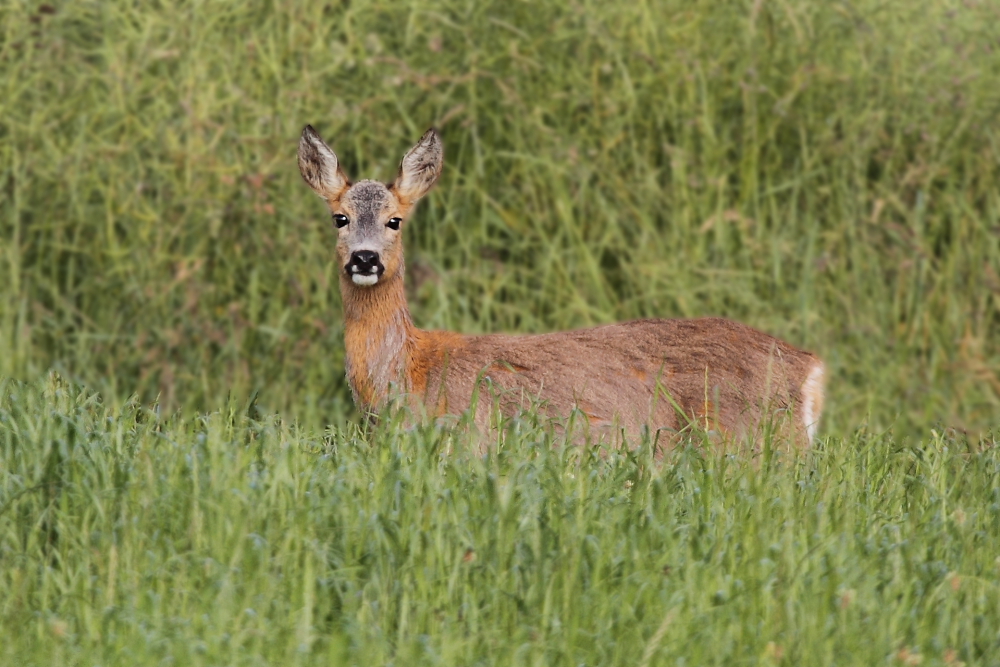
(420, 168)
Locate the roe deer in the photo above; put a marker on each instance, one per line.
(658, 373)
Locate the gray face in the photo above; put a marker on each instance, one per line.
(368, 245)
(369, 214)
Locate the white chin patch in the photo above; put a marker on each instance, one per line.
(364, 280)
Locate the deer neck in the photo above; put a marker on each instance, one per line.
(378, 333)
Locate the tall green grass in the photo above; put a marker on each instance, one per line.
(199, 490)
(825, 171)
(237, 540)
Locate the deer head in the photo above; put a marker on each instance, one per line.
(369, 215)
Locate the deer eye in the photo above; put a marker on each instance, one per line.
(340, 220)
(394, 223)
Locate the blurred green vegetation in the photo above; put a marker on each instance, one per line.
(822, 170)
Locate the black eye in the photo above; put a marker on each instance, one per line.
(340, 220)
(393, 223)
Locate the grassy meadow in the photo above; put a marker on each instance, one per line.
(183, 477)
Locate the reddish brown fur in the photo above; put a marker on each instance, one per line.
(667, 374)
(663, 374)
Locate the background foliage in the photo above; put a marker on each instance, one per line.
(824, 171)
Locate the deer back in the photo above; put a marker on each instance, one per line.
(668, 374)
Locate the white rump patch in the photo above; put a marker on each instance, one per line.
(812, 400)
(360, 279)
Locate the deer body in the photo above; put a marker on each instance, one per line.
(657, 373)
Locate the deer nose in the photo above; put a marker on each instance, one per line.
(364, 261)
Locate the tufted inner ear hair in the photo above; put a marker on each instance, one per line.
(420, 168)
(320, 167)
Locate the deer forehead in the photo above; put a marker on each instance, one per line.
(368, 205)
(367, 201)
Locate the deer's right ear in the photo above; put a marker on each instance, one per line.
(319, 166)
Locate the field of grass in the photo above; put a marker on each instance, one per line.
(182, 475)
(234, 540)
